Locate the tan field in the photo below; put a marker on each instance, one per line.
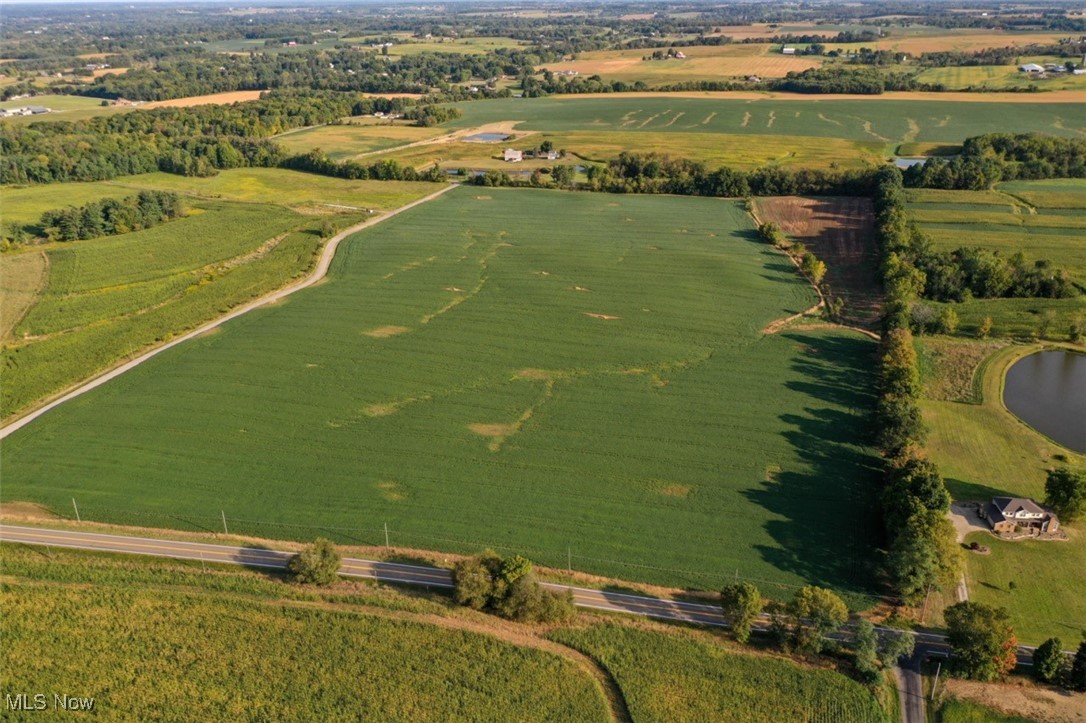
(108, 71)
(237, 96)
(701, 63)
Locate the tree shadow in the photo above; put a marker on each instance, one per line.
(824, 519)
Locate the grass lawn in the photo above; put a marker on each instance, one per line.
(546, 372)
(145, 636)
(669, 676)
(955, 710)
(983, 451)
(880, 119)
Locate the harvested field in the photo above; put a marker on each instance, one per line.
(22, 277)
(237, 96)
(840, 231)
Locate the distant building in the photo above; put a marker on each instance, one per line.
(680, 55)
(513, 156)
(1031, 68)
(24, 110)
(788, 51)
(550, 155)
(1016, 514)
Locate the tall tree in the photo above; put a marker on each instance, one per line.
(1049, 661)
(742, 603)
(1065, 492)
(816, 612)
(982, 640)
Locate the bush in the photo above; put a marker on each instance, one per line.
(317, 564)
(508, 587)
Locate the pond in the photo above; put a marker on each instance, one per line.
(905, 162)
(487, 137)
(1047, 391)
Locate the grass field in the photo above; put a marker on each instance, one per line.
(22, 277)
(341, 142)
(475, 372)
(879, 119)
(1040, 219)
(1001, 77)
(104, 299)
(985, 451)
(701, 63)
(64, 107)
(964, 711)
(681, 677)
(147, 636)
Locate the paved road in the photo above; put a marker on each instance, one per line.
(318, 273)
(927, 644)
(910, 689)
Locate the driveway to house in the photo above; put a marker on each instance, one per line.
(966, 520)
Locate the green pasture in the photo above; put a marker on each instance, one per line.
(956, 710)
(342, 142)
(668, 676)
(886, 120)
(571, 376)
(984, 451)
(64, 107)
(151, 636)
(1002, 77)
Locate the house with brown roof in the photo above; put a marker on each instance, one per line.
(1018, 514)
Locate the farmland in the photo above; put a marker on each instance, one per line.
(101, 300)
(64, 107)
(882, 119)
(1040, 219)
(459, 376)
(700, 63)
(151, 635)
(985, 451)
(665, 676)
(340, 142)
(1000, 77)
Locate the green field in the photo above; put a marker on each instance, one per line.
(341, 142)
(882, 119)
(1002, 77)
(964, 711)
(1040, 219)
(984, 451)
(64, 107)
(676, 677)
(109, 298)
(571, 376)
(143, 637)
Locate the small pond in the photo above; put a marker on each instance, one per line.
(1047, 391)
(487, 137)
(904, 162)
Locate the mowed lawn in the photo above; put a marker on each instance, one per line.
(546, 372)
(880, 119)
(984, 451)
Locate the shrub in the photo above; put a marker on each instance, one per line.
(317, 564)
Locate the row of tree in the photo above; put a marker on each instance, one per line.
(988, 159)
(105, 217)
(974, 272)
(924, 553)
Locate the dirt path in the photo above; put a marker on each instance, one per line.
(319, 272)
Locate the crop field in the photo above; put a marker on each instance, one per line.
(571, 376)
(1040, 219)
(151, 636)
(101, 300)
(235, 96)
(839, 231)
(700, 63)
(961, 39)
(341, 142)
(667, 676)
(985, 451)
(882, 119)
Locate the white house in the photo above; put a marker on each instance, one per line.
(1031, 68)
(550, 155)
(513, 156)
(788, 51)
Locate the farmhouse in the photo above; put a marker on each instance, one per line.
(1014, 514)
(24, 110)
(550, 155)
(1031, 68)
(513, 156)
(788, 50)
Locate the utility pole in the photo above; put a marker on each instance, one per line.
(387, 546)
(924, 612)
(76, 510)
(225, 531)
(936, 683)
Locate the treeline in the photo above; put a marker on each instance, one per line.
(923, 551)
(106, 217)
(315, 161)
(189, 141)
(973, 272)
(655, 173)
(989, 159)
(837, 79)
